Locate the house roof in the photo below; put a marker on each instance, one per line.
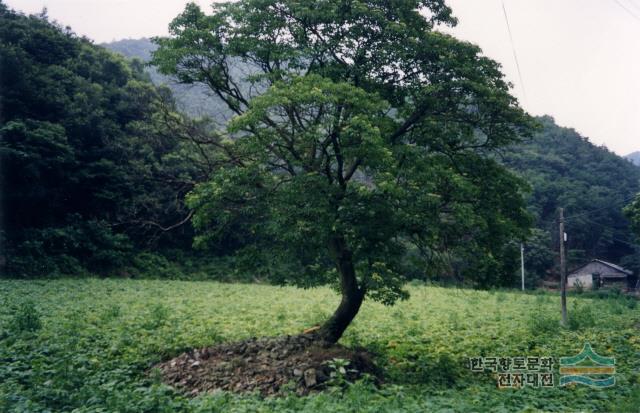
(608, 264)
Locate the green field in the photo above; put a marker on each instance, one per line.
(88, 345)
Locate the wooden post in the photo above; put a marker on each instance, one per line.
(563, 270)
(522, 263)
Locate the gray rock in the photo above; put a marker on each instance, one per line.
(310, 377)
(224, 365)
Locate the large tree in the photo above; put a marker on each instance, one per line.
(359, 133)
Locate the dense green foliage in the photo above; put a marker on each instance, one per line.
(89, 170)
(562, 169)
(343, 165)
(633, 213)
(632, 261)
(593, 185)
(89, 344)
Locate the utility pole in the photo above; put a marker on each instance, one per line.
(563, 269)
(522, 263)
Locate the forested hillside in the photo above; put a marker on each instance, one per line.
(195, 100)
(591, 183)
(90, 171)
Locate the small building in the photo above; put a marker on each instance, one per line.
(599, 273)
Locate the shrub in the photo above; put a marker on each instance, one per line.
(543, 323)
(439, 368)
(158, 315)
(417, 283)
(74, 248)
(147, 264)
(581, 317)
(454, 321)
(601, 294)
(26, 318)
(339, 372)
(501, 297)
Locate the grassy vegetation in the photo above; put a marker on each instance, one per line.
(88, 345)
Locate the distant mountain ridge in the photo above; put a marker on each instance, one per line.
(194, 100)
(132, 48)
(634, 157)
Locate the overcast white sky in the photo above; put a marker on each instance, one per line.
(579, 59)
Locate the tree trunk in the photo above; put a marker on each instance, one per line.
(352, 294)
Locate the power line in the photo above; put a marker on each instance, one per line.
(631, 244)
(635, 6)
(601, 225)
(624, 201)
(632, 14)
(612, 229)
(515, 55)
(554, 220)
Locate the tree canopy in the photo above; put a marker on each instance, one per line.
(361, 134)
(632, 211)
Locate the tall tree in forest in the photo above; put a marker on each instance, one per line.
(359, 132)
(632, 211)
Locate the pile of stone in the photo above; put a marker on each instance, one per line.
(267, 365)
